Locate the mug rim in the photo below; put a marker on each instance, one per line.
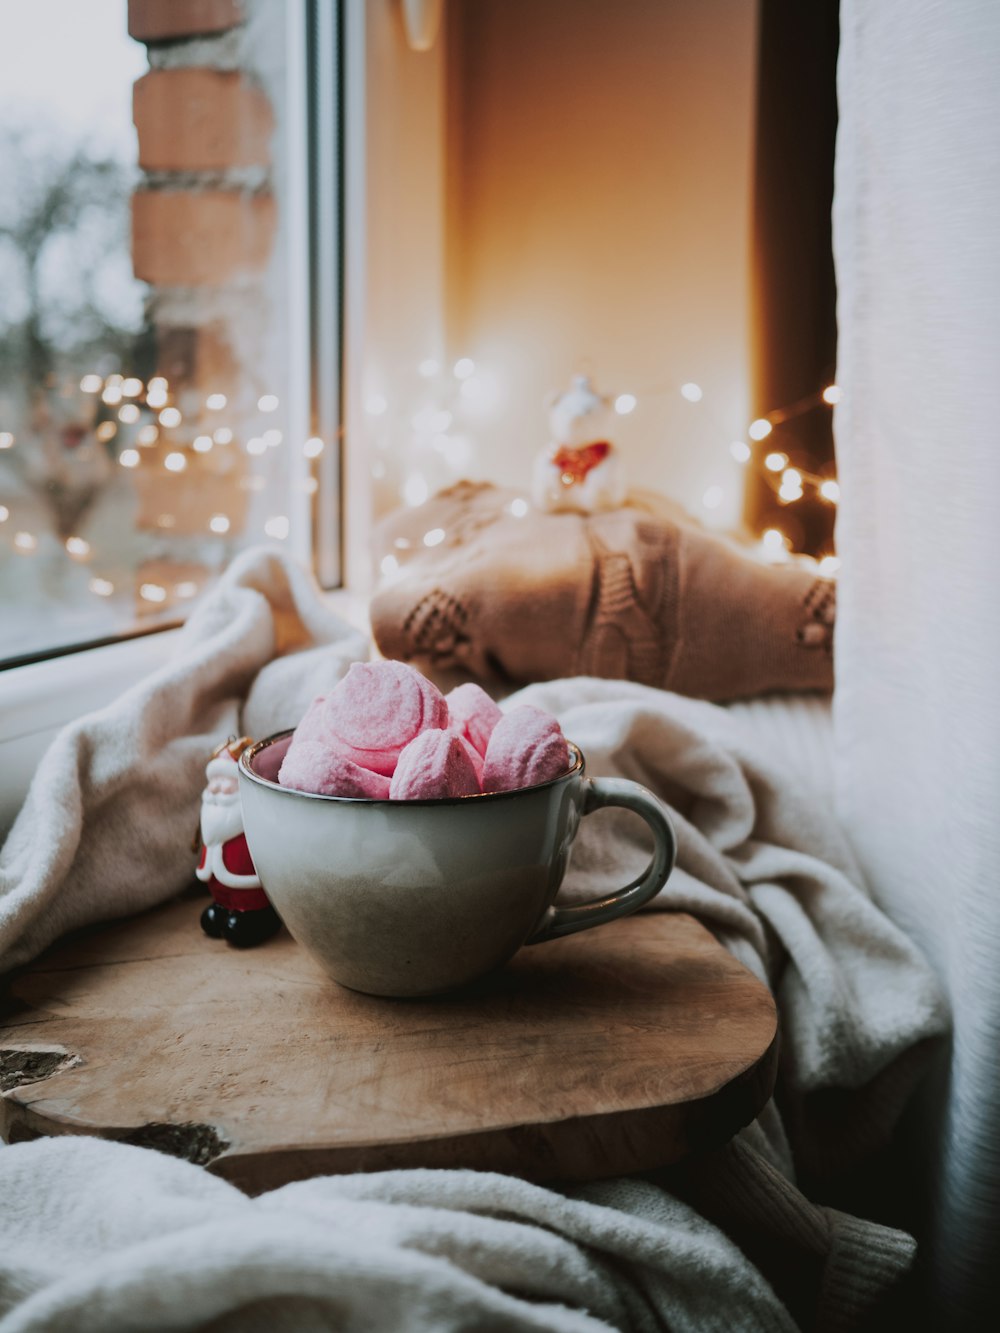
(576, 769)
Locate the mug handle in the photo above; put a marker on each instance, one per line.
(618, 791)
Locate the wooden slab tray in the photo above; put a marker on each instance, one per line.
(616, 1050)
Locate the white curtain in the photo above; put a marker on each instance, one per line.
(917, 706)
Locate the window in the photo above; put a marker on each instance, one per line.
(169, 367)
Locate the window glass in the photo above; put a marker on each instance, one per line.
(153, 412)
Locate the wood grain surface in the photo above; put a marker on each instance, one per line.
(615, 1050)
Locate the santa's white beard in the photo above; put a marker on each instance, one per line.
(221, 818)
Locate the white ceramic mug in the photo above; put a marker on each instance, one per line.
(417, 897)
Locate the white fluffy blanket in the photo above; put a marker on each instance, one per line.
(98, 1236)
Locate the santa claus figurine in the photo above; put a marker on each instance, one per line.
(579, 471)
(240, 911)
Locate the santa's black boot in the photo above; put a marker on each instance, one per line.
(213, 920)
(245, 929)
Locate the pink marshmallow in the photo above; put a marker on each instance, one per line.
(312, 727)
(527, 747)
(473, 714)
(474, 755)
(315, 767)
(434, 764)
(375, 712)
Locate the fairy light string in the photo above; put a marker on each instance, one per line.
(790, 482)
(137, 416)
(149, 415)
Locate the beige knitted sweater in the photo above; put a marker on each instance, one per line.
(641, 593)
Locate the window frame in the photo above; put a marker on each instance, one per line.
(40, 696)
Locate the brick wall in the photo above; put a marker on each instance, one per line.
(204, 222)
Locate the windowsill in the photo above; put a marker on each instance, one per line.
(38, 700)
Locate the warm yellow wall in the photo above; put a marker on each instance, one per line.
(598, 179)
